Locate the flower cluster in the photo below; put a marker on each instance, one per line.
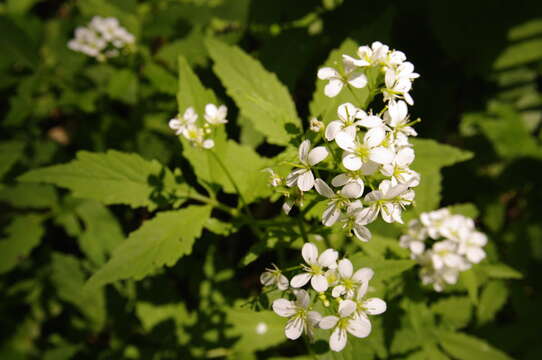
(444, 244)
(338, 291)
(186, 125)
(102, 39)
(370, 150)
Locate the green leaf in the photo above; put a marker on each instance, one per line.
(521, 53)
(69, 279)
(102, 231)
(23, 234)
(470, 281)
(465, 347)
(191, 92)
(455, 311)
(10, 153)
(153, 315)
(160, 78)
(159, 242)
(18, 44)
(29, 195)
(403, 341)
(430, 158)
(326, 107)
(432, 352)
(245, 323)
(384, 269)
(492, 299)
(500, 271)
(112, 178)
(123, 86)
(259, 94)
(243, 163)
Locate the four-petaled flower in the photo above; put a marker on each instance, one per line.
(315, 268)
(300, 318)
(303, 177)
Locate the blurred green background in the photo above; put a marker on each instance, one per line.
(480, 90)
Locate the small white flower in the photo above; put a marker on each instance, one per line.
(338, 200)
(353, 221)
(336, 81)
(216, 115)
(301, 319)
(368, 55)
(414, 239)
(303, 177)
(348, 280)
(315, 269)
(274, 178)
(347, 122)
(370, 306)
(397, 118)
(433, 221)
(316, 125)
(275, 277)
(444, 253)
(345, 323)
(398, 170)
(471, 247)
(180, 124)
(357, 153)
(397, 87)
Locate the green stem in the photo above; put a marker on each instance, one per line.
(302, 228)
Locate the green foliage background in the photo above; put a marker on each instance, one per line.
(95, 186)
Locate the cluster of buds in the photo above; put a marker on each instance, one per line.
(335, 290)
(200, 136)
(444, 244)
(102, 39)
(375, 147)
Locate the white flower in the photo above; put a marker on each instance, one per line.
(388, 201)
(347, 122)
(414, 239)
(345, 323)
(347, 178)
(444, 253)
(471, 247)
(348, 280)
(274, 178)
(353, 221)
(195, 135)
(368, 55)
(398, 170)
(433, 221)
(397, 87)
(336, 81)
(301, 319)
(303, 176)
(338, 200)
(274, 277)
(397, 118)
(316, 125)
(216, 115)
(370, 306)
(315, 269)
(356, 154)
(180, 124)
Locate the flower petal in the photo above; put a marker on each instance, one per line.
(404, 157)
(302, 298)
(381, 155)
(345, 141)
(303, 151)
(362, 232)
(309, 251)
(374, 306)
(329, 258)
(333, 87)
(374, 136)
(345, 268)
(357, 79)
(352, 190)
(305, 181)
(317, 154)
(363, 275)
(346, 308)
(330, 215)
(300, 280)
(337, 340)
(284, 308)
(328, 322)
(333, 129)
(338, 291)
(319, 283)
(327, 73)
(352, 162)
(340, 180)
(360, 327)
(323, 189)
(294, 328)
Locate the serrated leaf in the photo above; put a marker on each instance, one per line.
(454, 311)
(259, 94)
(159, 242)
(29, 195)
(492, 299)
(384, 269)
(191, 91)
(112, 178)
(69, 279)
(10, 152)
(243, 163)
(123, 86)
(249, 326)
(102, 231)
(430, 158)
(22, 235)
(466, 347)
(162, 79)
(500, 271)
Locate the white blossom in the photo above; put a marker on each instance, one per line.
(300, 318)
(337, 200)
(336, 81)
(316, 125)
(388, 201)
(303, 176)
(314, 270)
(349, 281)
(274, 277)
(216, 115)
(357, 153)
